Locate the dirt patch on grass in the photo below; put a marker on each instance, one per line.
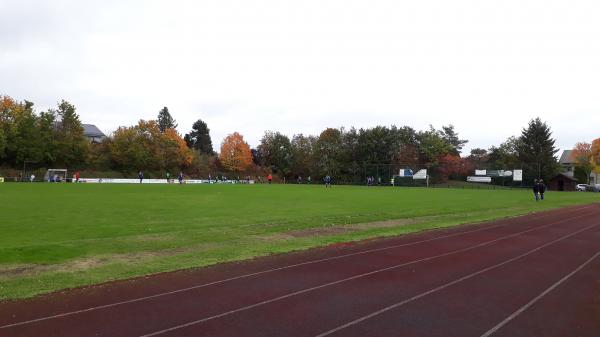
(346, 228)
(16, 271)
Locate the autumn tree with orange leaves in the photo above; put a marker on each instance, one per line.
(582, 154)
(176, 152)
(235, 153)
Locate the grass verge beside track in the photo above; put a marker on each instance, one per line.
(56, 236)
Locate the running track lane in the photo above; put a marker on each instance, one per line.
(327, 308)
(571, 309)
(478, 304)
(148, 309)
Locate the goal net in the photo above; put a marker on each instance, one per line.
(56, 175)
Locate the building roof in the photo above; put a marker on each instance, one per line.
(562, 176)
(92, 131)
(567, 157)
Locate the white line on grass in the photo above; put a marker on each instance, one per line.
(357, 277)
(144, 298)
(396, 305)
(532, 302)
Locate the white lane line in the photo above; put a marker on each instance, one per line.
(487, 243)
(532, 302)
(144, 298)
(139, 299)
(464, 278)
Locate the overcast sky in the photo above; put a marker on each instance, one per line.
(487, 67)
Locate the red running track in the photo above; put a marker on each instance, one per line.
(537, 275)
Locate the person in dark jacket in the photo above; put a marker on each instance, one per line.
(327, 181)
(542, 188)
(536, 189)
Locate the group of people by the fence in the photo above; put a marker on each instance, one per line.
(180, 177)
(371, 181)
(539, 188)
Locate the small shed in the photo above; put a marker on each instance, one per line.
(562, 182)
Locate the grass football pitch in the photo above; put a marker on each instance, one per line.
(56, 236)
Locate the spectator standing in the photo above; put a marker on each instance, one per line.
(327, 181)
(141, 176)
(180, 177)
(270, 178)
(542, 188)
(536, 189)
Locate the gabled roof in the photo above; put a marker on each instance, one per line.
(567, 157)
(92, 131)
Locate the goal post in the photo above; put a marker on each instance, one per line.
(56, 175)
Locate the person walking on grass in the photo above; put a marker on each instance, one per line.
(536, 189)
(542, 189)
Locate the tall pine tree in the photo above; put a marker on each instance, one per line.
(199, 138)
(71, 144)
(537, 151)
(165, 121)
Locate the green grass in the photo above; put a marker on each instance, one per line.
(56, 236)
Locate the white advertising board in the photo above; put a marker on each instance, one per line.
(160, 181)
(479, 179)
(405, 173)
(421, 174)
(517, 175)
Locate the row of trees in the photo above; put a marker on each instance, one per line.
(346, 153)
(534, 151)
(51, 138)
(55, 138)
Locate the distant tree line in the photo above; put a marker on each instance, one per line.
(51, 138)
(345, 153)
(55, 138)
